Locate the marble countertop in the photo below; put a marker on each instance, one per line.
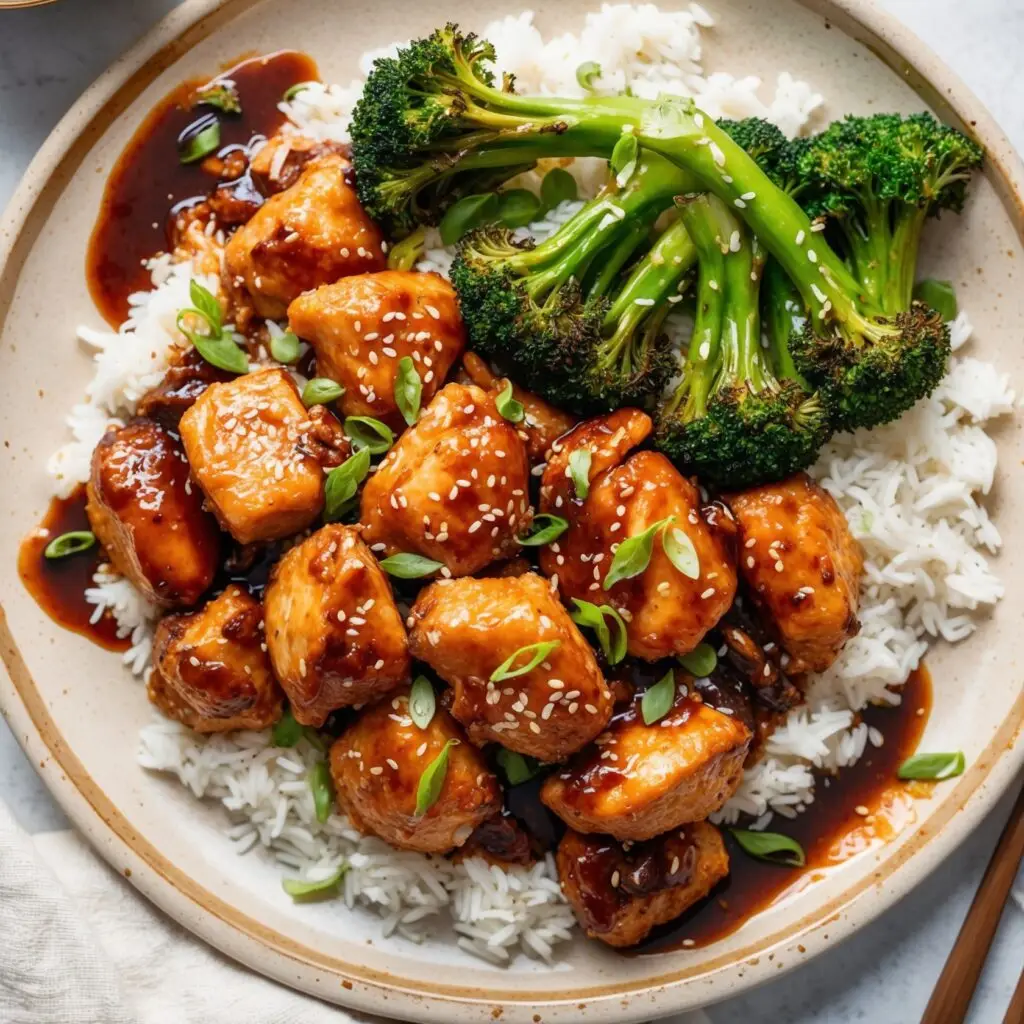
(885, 973)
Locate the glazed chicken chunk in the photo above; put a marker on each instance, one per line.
(211, 669)
(149, 517)
(335, 636)
(250, 445)
(362, 326)
(277, 164)
(455, 488)
(542, 424)
(668, 609)
(377, 765)
(802, 566)
(312, 233)
(640, 780)
(619, 895)
(188, 376)
(467, 629)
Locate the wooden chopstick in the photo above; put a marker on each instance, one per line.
(953, 991)
(1015, 1011)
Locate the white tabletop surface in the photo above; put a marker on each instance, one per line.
(885, 973)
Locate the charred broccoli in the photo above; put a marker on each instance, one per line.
(869, 365)
(432, 126)
(741, 414)
(577, 317)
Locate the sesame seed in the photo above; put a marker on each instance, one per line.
(707, 593)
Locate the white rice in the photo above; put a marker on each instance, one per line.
(913, 493)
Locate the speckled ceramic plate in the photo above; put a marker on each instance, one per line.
(77, 715)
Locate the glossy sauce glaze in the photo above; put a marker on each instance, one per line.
(58, 585)
(863, 805)
(149, 186)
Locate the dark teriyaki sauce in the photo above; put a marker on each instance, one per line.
(149, 185)
(59, 585)
(831, 830)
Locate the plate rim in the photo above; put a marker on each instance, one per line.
(278, 956)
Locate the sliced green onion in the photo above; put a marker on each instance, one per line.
(544, 529)
(681, 552)
(432, 780)
(204, 142)
(468, 213)
(366, 432)
(773, 847)
(285, 347)
(404, 255)
(322, 787)
(658, 699)
(932, 766)
(422, 701)
(321, 391)
(508, 407)
(343, 482)
(940, 295)
(586, 73)
(207, 305)
(633, 555)
(408, 389)
(625, 153)
(71, 543)
(408, 566)
(287, 732)
(301, 890)
(216, 347)
(517, 768)
(534, 653)
(223, 95)
(518, 207)
(579, 471)
(700, 662)
(558, 186)
(292, 91)
(593, 617)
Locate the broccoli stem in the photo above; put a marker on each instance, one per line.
(700, 219)
(646, 297)
(869, 243)
(621, 253)
(743, 361)
(600, 226)
(906, 243)
(404, 255)
(680, 132)
(781, 304)
(657, 277)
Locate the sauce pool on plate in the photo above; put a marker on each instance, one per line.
(864, 804)
(149, 184)
(59, 584)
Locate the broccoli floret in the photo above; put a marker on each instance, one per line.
(435, 117)
(870, 366)
(877, 179)
(741, 414)
(432, 126)
(577, 318)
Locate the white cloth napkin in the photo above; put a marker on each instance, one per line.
(78, 945)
